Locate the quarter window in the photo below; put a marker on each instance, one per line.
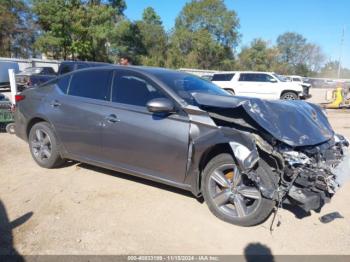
(63, 83)
(133, 90)
(222, 77)
(93, 84)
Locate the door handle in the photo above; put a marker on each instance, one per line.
(112, 119)
(55, 103)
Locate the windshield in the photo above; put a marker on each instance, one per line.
(185, 85)
(280, 78)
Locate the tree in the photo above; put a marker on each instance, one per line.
(258, 56)
(302, 57)
(204, 36)
(213, 16)
(127, 39)
(291, 47)
(16, 29)
(150, 17)
(76, 28)
(154, 38)
(330, 70)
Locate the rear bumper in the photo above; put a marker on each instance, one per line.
(20, 126)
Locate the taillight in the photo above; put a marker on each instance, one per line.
(19, 98)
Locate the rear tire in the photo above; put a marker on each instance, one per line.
(226, 202)
(44, 146)
(230, 91)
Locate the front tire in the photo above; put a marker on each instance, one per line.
(43, 146)
(232, 196)
(289, 96)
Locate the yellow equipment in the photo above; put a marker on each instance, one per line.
(340, 100)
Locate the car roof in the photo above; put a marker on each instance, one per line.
(84, 62)
(140, 69)
(251, 72)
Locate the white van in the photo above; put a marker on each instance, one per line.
(4, 72)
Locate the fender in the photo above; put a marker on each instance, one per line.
(242, 146)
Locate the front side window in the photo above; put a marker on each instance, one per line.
(222, 77)
(184, 85)
(264, 78)
(282, 78)
(133, 90)
(94, 84)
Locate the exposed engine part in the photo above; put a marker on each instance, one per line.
(308, 178)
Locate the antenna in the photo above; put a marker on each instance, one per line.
(341, 49)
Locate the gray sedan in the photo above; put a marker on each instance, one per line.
(242, 155)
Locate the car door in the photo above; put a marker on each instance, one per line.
(141, 142)
(258, 85)
(247, 85)
(77, 116)
(268, 86)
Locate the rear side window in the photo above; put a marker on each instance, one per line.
(63, 83)
(246, 77)
(222, 77)
(133, 90)
(255, 77)
(93, 84)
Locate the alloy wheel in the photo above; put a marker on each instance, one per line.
(289, 97)
(232, 192)
(41, 145)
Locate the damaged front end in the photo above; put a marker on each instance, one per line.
(294, 138)
(310, 177)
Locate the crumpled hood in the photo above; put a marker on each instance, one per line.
(296, 123)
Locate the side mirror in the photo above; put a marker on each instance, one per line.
(272, 80)
(161, 105)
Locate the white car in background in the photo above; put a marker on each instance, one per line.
(300, 80)
(265, 85)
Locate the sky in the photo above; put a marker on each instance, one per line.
(320, 21)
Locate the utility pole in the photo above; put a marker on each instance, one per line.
(341, 49)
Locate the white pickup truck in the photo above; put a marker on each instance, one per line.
(265, 85)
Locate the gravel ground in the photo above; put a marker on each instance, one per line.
(80, 209)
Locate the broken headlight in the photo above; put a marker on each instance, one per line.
(296, 158)
(341, 140)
